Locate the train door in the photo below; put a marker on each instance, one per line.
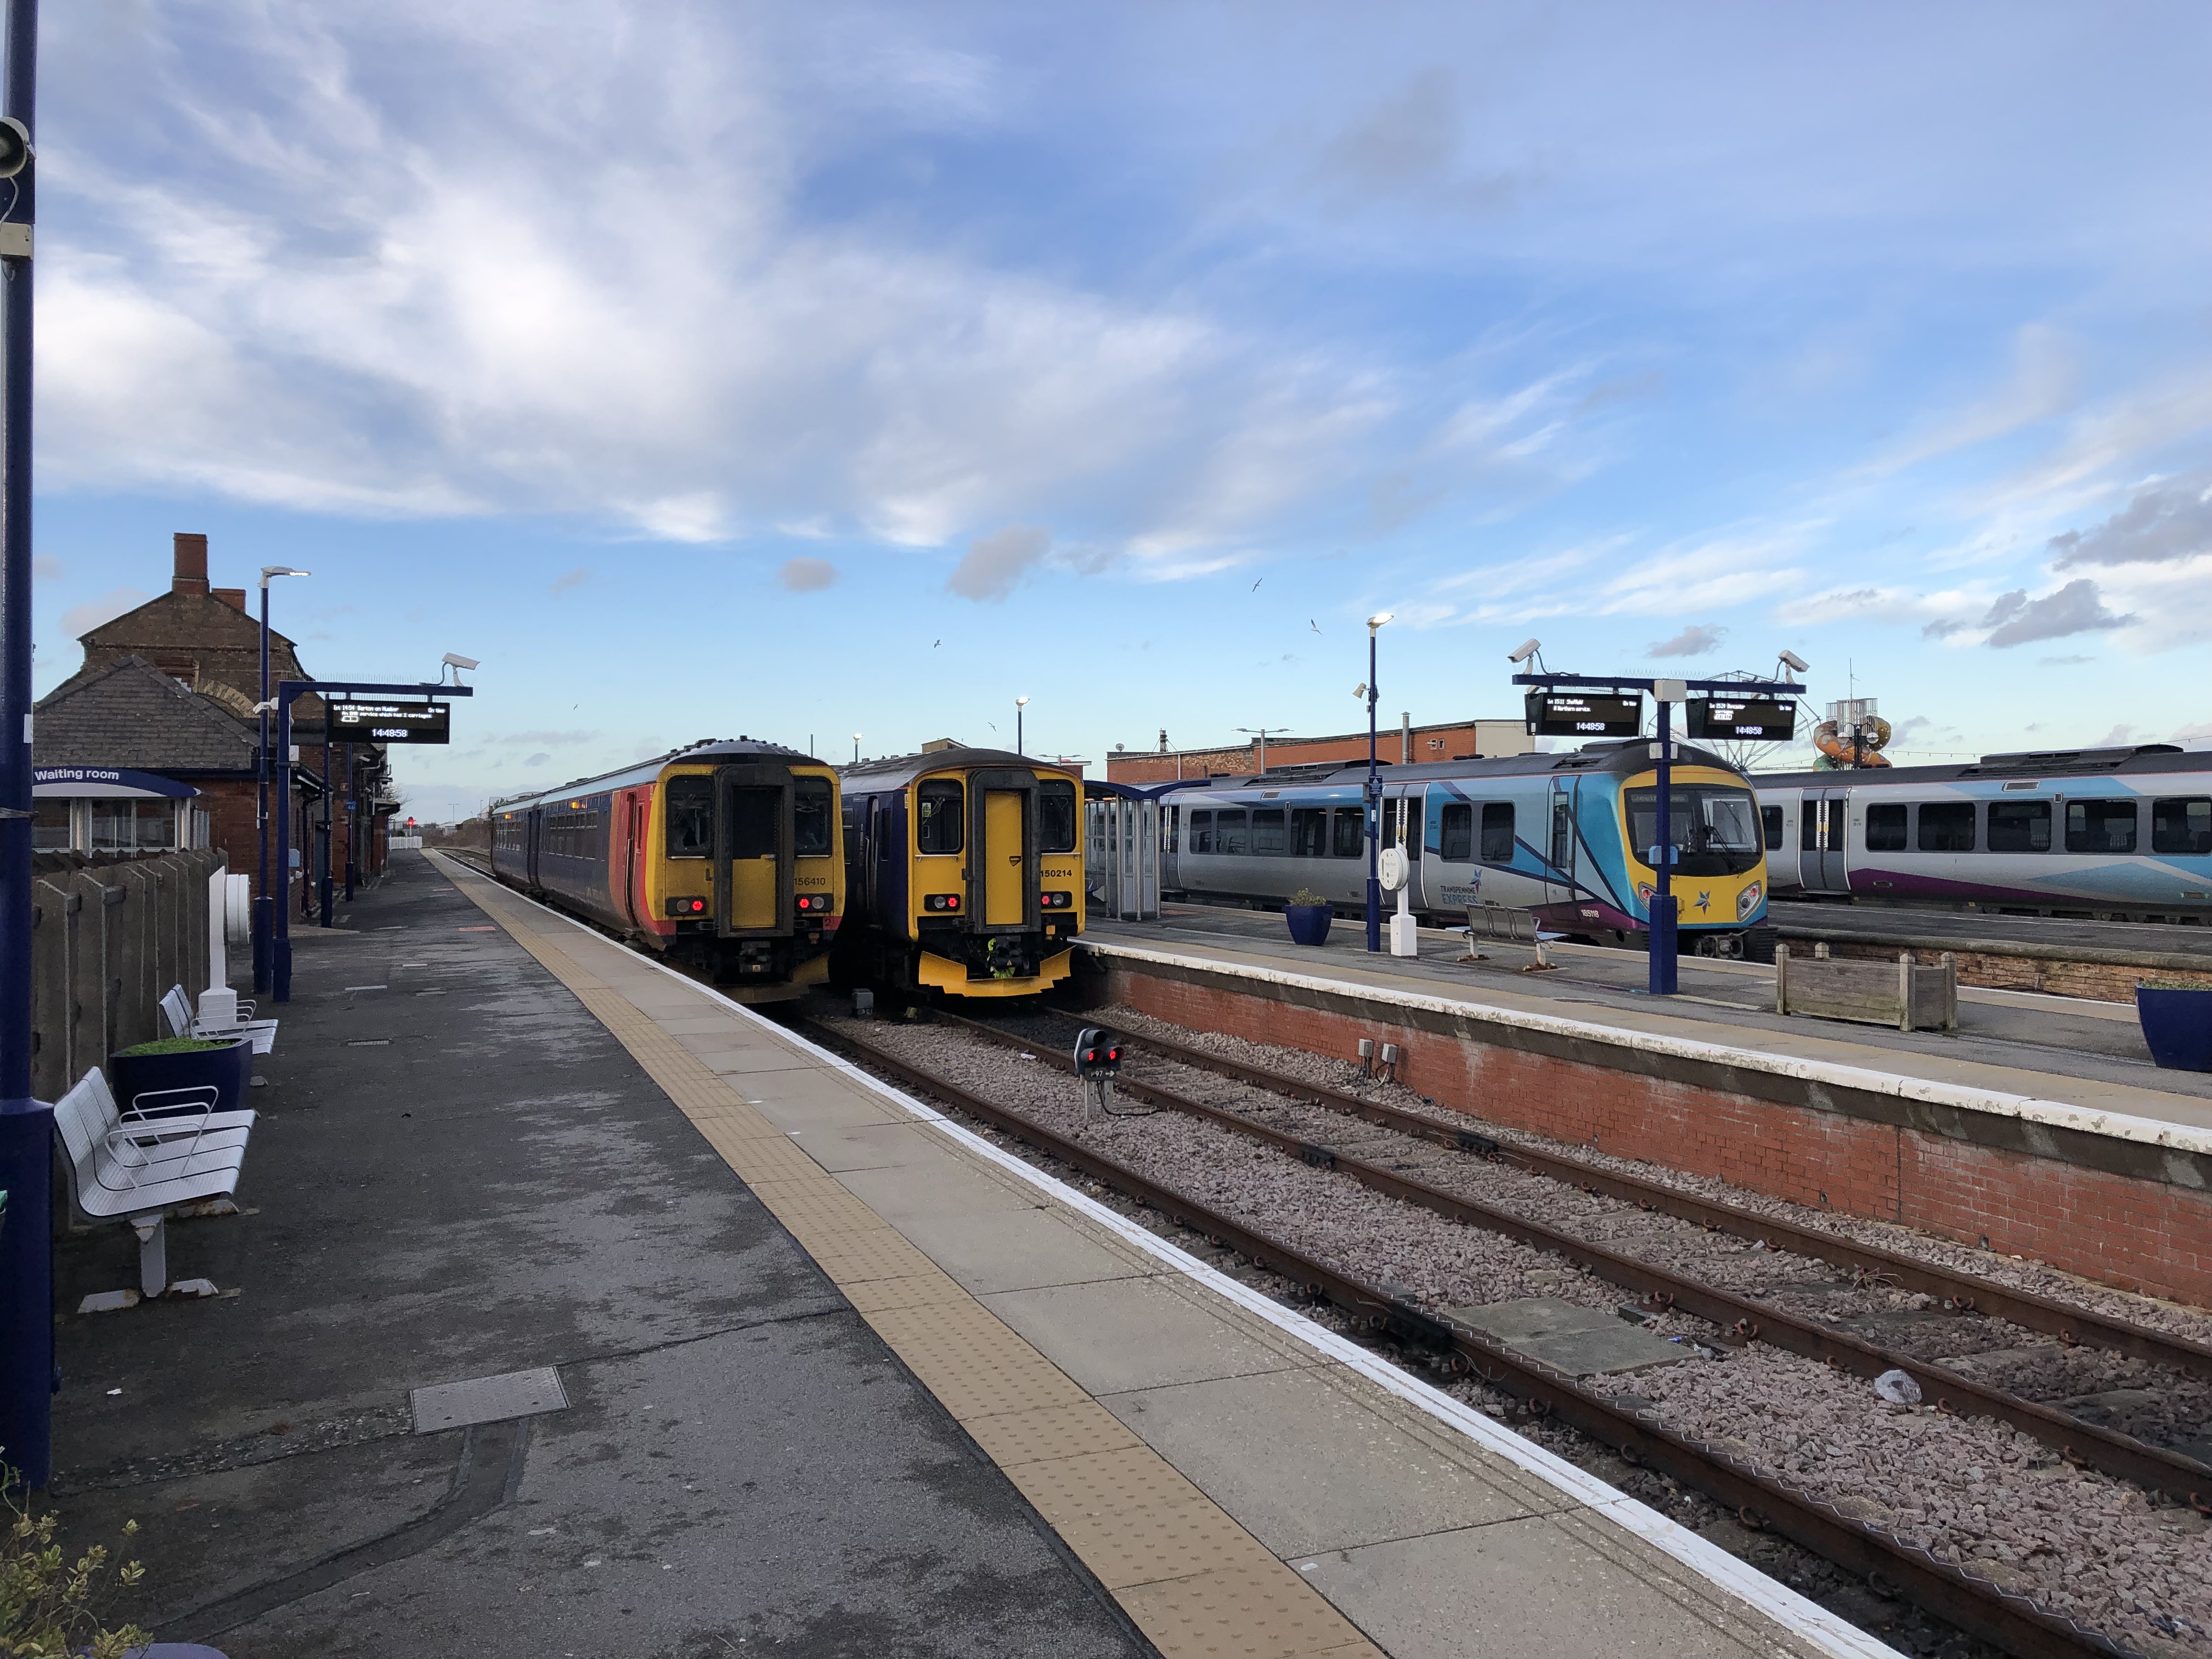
(1005, 852)
(1560, 852)
(753, 835)
(532, 825)
(635, 814)
(1821, 814)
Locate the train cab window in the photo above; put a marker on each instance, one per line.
(1310, 832)
(1268, 836)
(1498, 832)
(754, 831)
(2101, 826)
(1347, 832)
(1229, 833)
(2181, 823)
(1055, 816)
(938, 827)
(810, 818)
(1947, 826)
(691, 813)
(1201, 830)
(1770, 818)
(1885, 827)
(2019, 826)
(1457, 844)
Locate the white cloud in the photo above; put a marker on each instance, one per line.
(994, 565)
(1698, 639)
(805, 575)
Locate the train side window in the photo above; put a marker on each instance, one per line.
(2019, 826)
(1498, 832)
(1885, 827)
(1808, 827)
(939, 827)
(691, 813)
(1201, 830)
(1230, 834)
(2101, 826)
(1055, 816)
(754, 831)
(810, 818)
(1947, 826)
(1458, 844)
(1563, 833)
(2181, 823)
(1349, 831)
(1771, 817)
(1174, 817)
(1310, 832)
(1268, 836)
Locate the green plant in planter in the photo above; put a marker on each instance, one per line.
(1307, 896)
(2170, 984)
(173, 1046)
(50, 1607)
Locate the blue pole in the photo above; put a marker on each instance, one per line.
(280, 947)
(353, 821)
(1374, 808)
(264, 903)
(330, 807)
(1663, 906)
(26, 1241)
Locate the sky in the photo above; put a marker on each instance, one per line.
(802, 372)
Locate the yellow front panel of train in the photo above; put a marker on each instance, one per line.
(756, 832)
(1002, 853)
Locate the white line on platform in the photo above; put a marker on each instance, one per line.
(1833, 1635)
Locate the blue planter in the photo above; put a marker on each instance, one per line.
(2177, 1026)
(1308, 923)
(227, 1070)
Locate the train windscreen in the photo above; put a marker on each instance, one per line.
(810, 836)
(1714, 828)
(1055, 816)
(690, 810)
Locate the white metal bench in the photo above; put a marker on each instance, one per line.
(177, 1012)
(128, 1165)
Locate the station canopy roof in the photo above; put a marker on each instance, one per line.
(104, 783)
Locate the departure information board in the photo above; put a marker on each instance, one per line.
(1578, 715)
(1756, 720)
(391, 722)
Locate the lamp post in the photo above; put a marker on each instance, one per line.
(264, 902)
(1665, 957)
(1374, 796)
(856, 748)
(1020, 703)
(1261, 732)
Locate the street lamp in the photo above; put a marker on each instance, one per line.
(1261, 732)
(856, 748)
(1374, 795)
(1020, 703)
(264, 903)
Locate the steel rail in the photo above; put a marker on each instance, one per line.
(1976, 1606)
(1739, 1320)
(2071, 1325)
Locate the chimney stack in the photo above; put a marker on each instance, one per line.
(191, 575)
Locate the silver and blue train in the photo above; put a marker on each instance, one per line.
(1572, 838)
(2124, 833)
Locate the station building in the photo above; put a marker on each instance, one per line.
(1403, 745)
(152, 744)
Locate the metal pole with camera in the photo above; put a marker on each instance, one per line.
(26, 1268)
(1374, 795)
(1665, 948)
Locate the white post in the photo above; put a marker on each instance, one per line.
(218, 929)
(1405, 934)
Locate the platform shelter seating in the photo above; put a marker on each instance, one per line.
(177, 1012)
(125, 1166)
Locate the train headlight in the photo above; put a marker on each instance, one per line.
(687, 907)
(941, 901)
(1058, 900)
(1748, 900)
(813, 903)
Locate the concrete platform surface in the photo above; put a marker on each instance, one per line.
(1242, 1480)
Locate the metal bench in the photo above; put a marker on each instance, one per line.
(129, 1166)
(177, 1012)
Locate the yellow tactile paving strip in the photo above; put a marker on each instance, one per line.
(1188, 1576)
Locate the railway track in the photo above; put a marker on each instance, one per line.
(1972, 1602)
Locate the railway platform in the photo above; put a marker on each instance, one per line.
(827, 1371)
(2040, 1127)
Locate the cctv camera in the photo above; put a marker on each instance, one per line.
(1790, 659)
(16, 151)
(1527, 650)
(452, 661)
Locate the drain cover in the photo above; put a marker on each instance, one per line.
(487, 1399)
(1568, 1337)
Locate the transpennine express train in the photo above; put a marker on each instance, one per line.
(966, 872)
(2103, 832)
(726, 856)
(1570, 837)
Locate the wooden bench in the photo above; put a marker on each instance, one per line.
(1909, 995)
(129, 1166)
(177, 1012)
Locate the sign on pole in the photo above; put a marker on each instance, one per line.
(391, 722)
(1747, 720)
(1579, 715)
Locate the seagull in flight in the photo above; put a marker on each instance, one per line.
(1311, 624)
(1255, 586)
(933, 644)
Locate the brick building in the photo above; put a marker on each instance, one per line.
(1400, 746)
(170, 688)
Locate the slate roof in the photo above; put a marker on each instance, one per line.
(130, 714)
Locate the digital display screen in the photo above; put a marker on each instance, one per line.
(391, 722)
(1577, 714)
(1759, 720)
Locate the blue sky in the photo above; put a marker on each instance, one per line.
(801, 372)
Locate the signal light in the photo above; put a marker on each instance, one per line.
(687, 907)
(1057, 901)
(810, 901)
(1097, 1052)
(941, 901)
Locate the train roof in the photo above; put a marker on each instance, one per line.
(706, 750)
(2133, 760)
(896, 771)
(1620, 758)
